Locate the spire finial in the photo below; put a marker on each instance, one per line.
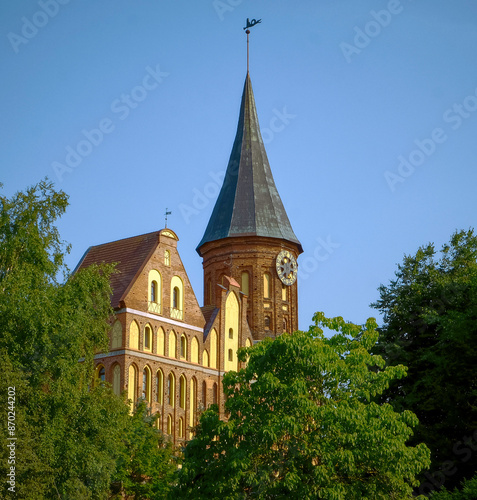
(250, 24)
(165, 216)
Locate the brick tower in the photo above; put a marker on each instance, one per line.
(249, 237)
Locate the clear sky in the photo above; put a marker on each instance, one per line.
(368, 109)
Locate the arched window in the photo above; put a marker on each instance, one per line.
(160, 341)
(205, 358)
(182, 392)
(171, 389)
(267, 322)
(204, 393)
(132, 384)
(181, 427)
(116, 335)
(231, 333)
(192, 403)
(194, 350)
(117, 380)
(183, 346)
(172, 344)
(177, 298)
(159, 387)
(284, 292)
(285, 325)
(213, 348)
(147, 338)
(267, 286)
(167, 257)
(146, 384)
(134, 335)
(231, 355)
(155, 291)
(245, 282)
(100, 375)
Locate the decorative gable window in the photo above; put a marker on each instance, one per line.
(167, 258)
(154, 292)
(177, 298)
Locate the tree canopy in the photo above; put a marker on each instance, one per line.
(430, 325)
(301, 424)
(69, 436)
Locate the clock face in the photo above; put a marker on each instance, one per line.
(287, 267)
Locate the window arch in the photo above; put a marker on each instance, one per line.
(159, 387)
(192, 403)
(267, 322)
(213, 348)
(171, 389)
(132, 384)
(147, 338)
(285, 325)
(154, 291)
(231, 333)
(231, 355)
(100, 375)
(117, 379)
(183, 346)
(160, 341)
(194, 350)
(177, 298)
(117, 335)
(205, 358)
(146, 384)
(134, 335)
(267, 286)
(182, 392)
(172, 344)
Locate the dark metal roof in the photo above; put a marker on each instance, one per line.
(248, 203)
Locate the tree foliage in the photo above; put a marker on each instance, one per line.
(71, 435)
(147, 464)
(301, 424)
(430, 325)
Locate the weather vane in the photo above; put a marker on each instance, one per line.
(250, 24)
(165, 215)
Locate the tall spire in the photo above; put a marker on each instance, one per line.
(248, 203)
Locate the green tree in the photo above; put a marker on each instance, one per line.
(430, 325)
(68, 434)
(147, 464)
(301, 424)
(467, 492)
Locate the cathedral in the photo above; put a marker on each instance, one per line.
(166, 348)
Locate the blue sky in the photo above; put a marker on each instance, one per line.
(368, 110)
